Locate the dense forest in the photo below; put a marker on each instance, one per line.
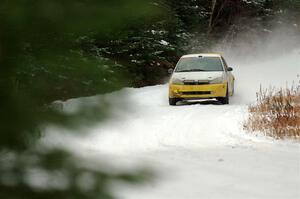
(136, 45)
(62, 49)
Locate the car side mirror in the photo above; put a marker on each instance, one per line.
(229, 69)
(170, 71)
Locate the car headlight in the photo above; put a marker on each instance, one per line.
(218, 80)
(176, 81)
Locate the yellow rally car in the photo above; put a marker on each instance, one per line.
(201, 76)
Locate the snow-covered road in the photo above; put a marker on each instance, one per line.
(198, 150)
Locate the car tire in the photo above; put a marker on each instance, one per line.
(224, 100)
(232, 89)
(173, 101)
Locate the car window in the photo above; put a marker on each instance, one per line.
(225, 64)
(199, 64)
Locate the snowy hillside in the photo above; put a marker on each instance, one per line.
(198, 150)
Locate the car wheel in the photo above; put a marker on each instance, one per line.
(233, 88)
(224, 100)
(173, 101)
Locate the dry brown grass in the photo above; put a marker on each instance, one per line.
(276, 113)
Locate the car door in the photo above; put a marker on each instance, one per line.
(229, 77)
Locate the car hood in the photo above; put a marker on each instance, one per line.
(196, 76)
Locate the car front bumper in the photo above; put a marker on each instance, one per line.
(205, 91)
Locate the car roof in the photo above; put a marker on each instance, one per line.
(203, 55)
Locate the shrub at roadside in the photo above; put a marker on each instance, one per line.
(276, 113)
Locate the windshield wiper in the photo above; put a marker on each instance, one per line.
(190, 70)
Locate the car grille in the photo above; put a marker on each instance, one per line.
(196, 93)
(194, 83)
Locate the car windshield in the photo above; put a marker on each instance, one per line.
(190, 64)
